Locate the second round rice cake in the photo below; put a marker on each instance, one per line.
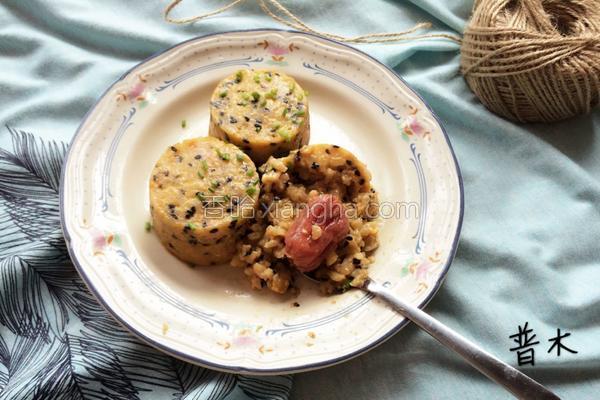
(202, 191)
(263, 112)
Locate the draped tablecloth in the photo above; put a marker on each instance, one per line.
(529, 250)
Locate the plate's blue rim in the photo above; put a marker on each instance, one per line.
(241, 370)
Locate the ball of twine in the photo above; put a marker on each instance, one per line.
(534, 60)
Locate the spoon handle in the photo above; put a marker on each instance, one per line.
(519, 384)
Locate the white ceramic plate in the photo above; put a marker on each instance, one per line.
(210, 316)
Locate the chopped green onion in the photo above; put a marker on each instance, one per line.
(204, 165)
(250, 191)
(200, 174)
(256, 78)
(227, 198)
(211, 190)
(200, 196)
(183, 123)
(263, 103)
(300, 113)
(148, 226)
(275, 127)
(292, 87)
(346, 285)
(191, 226)
(250, 173)
(223, 94)
(223, 156)
(284, 134)
(284, 113)
(214, 184)
(246, 96)
(255, 96)
(268, 78)
(239, 157)
(238, 76)
(272, 94)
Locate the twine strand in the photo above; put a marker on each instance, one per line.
(281, 14)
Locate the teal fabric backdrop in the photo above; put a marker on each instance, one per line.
(529, 250)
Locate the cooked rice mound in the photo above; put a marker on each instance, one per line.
(288, 184)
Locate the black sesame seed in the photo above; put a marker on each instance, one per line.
(193, 241)
(154, 178)
(327, 151)
(246, 118)
(315, 165)
(355, 261)
(228, 179)
(361, 181)
(171, 245)
(349, 238)
(335, 146)
(246, 141)
(296, 304)
(232, 224)
(173, 148)
(356, 172)
(198, 156)
(214, 230)
(349, 162)
(171, 206)
(232, 120)
(272, 144)
(190, 212)
(179, 159)
(204, 224)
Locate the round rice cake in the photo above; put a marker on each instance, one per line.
(202, 192)
(263, 112)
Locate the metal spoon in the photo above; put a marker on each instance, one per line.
(516, 382)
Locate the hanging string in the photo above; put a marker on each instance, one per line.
(281, 14)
